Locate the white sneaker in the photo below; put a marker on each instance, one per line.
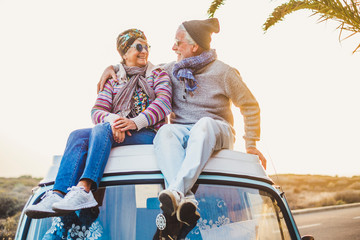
(43, 208)
(169, 201)
(77, 198)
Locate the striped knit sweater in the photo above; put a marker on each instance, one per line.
(154, 115)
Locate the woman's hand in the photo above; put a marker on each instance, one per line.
(118, 135)
(124, 124)
(109, 72)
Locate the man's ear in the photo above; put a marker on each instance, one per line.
(195, 48)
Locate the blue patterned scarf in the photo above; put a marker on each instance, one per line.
(184, 70)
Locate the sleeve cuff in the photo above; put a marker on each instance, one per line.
(140, 121)
(111, 118)
(250, 143)
(116, 67)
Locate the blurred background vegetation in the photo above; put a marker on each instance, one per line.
(308, 191)
(301, 191)
(14, 193)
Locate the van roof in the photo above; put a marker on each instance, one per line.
(141, 159)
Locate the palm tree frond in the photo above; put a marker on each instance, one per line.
(356, 49)
(214, 6)
(349, 36)
(281, 11)
(341, 26)
(346, 12)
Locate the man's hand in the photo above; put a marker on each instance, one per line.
(124, 124)
(109, 72)
(254, 151)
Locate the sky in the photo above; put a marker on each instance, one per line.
(52, 54)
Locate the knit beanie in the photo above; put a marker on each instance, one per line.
(201, 30)
(127, 38)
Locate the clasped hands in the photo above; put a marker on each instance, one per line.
(122, 126)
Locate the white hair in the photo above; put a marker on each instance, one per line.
(187, 35)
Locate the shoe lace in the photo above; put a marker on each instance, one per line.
(74, 188)
(72, 191)
(47, 193)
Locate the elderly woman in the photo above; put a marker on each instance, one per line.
(128, 111)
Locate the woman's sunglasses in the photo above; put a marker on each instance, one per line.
(140, 47)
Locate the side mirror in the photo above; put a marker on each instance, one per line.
(307, 237)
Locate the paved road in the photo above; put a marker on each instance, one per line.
(339, 224)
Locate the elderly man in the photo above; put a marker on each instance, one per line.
(202, 120)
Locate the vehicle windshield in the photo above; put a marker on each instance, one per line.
(129, 212)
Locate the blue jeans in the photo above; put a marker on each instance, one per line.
(87, 151)
(182, 150)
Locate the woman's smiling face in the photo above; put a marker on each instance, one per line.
(134, 57)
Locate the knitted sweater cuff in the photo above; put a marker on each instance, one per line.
(250, 143)
(140, 121)
(111, 118)
(116, 67)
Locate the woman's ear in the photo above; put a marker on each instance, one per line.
(124, 57)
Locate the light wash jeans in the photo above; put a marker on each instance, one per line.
(183, 150)
(87, 151)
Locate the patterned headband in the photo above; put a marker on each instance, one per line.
(127, 38)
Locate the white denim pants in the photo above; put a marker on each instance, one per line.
(183, 150)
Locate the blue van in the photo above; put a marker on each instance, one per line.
(237, 200)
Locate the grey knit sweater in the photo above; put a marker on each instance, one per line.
(219, 85)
